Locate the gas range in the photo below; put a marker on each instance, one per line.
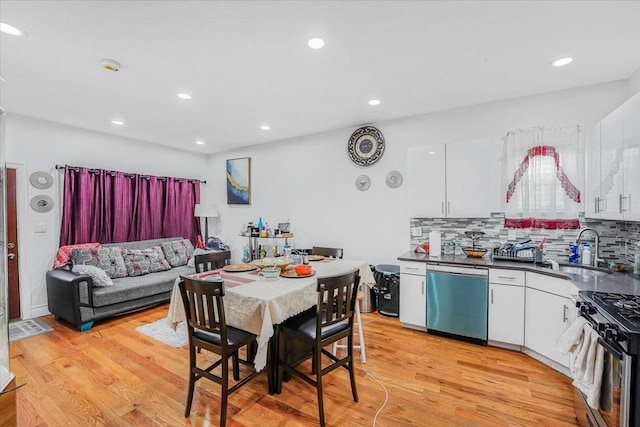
(617, 317)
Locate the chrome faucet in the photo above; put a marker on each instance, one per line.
(596, 254)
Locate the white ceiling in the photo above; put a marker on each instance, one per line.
(247, 63)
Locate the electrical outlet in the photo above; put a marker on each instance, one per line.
(512, 234)
(39, 227)
(416, 231)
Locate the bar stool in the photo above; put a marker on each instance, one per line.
(358, 321)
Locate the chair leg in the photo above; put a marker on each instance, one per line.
(236, 366)
(318, 368)
(192, 382)
(352, 374)
(225, 393)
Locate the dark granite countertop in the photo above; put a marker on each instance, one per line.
(623, 283)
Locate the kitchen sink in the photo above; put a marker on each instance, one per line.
(585, 270)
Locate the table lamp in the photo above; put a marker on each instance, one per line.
(206, 212)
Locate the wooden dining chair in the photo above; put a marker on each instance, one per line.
(207, 329)
(211, 261)
(331, 321)
(328, 252)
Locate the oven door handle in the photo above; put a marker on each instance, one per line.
(610, 348)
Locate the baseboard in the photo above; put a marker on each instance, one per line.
(417, 328)
(545, 360)
(508, 346)
(39, 311)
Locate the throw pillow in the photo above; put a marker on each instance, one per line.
(137, 262)
(178, 252)
(157, 261)
(98, 275)
(107, 258)
(63, 257)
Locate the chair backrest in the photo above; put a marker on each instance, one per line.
(211, 260)
(204, 306)
(336, 299)
(328, 252)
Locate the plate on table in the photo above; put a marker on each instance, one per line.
(239, 268)
(291, 273)
(315, 257)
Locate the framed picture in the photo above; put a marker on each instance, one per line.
(239, 181)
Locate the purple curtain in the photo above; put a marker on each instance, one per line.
(110, 207)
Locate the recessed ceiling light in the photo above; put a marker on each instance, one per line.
(184, 95)
(374, 102)
(561, 62)
(265, 127)
(11, 30)
(315, 43)
(117, 122)
(200, 142)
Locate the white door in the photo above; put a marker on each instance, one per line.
(611, 163)
(413, 302)
(426, 181)
(506, 313)
(468, 179)
(631, 188)
(547, 316)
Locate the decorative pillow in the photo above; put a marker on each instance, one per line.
(107, 258)
(157, 261)
(63, 257)
(136, 261)
(98, 275)
(178, 252)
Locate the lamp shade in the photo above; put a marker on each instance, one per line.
(206, 211)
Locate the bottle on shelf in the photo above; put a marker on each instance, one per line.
(586, 254)
(260, 223)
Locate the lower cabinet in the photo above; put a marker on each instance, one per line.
(413, 294)
(547, 317)
(506, 313)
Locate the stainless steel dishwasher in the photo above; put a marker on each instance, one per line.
(457, 302)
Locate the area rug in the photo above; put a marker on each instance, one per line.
(27, 328)
(161, 331)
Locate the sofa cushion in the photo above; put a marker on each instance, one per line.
(136, 261)
(99, 276)
(178, 252)
(107, 258)
(133, 288)
(63, 256)
(157, 261)
(142, 244)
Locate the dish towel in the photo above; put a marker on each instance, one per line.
(582, 341)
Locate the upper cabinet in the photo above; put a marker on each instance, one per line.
(449, 180)
(613, 165)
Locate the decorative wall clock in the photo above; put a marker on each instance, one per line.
(366, 146)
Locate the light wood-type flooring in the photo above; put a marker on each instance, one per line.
(112, 375)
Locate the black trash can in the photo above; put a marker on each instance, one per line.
(388, 289)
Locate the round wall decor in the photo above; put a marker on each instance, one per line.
(366, 146)
(41, 180)
(363, 183)
(394, 179)
(41, 203)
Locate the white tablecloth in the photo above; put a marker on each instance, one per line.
(260, 303)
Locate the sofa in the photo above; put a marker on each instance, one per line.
(76, 299)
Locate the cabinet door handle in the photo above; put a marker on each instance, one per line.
(622, 199)
(491, 296)
(412, 268)
(423, 287)
(564, 313)
(597, 205)
(506, 277)
(442, 206)
(448, 207)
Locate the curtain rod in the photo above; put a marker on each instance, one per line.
(60, 167)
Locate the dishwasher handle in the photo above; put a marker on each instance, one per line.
(463, 271)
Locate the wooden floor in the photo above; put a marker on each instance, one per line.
(115, 376)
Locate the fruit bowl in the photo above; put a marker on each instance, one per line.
(474, 252)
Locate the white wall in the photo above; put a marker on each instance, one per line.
(633, 84)
(35, 145)
(310, 180)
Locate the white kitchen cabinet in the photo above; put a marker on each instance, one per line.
(612, 165)
(449, 180)
(506, 306)
(413, 295)
(549, 311)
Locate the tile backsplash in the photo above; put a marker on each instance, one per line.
(618, 239)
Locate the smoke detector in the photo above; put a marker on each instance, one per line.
(109, 64)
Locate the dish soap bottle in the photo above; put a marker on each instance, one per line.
(586, 255)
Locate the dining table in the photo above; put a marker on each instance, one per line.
(258, 305)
